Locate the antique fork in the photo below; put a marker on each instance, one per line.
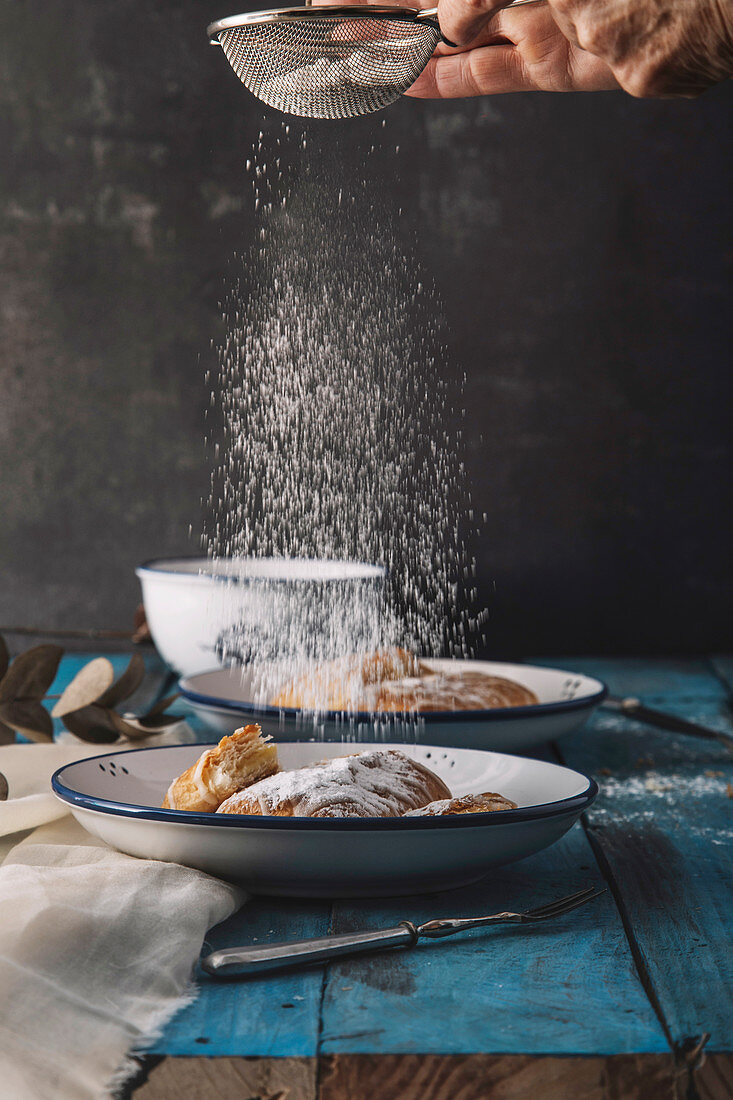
(244, 962)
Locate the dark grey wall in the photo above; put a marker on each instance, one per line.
(582, 248)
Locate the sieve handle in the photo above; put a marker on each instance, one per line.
(432, 13)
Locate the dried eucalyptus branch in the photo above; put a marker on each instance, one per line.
(23, 685)
(88, 706)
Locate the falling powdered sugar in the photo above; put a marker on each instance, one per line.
(335, 438)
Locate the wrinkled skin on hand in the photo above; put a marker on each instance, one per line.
(654, 47)
(647, 47)
(516, 50)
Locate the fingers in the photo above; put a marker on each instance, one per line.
(462, 20)
(564, 22)
(491, 70)
(539, 61)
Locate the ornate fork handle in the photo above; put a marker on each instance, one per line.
(243, 962)
(439, 929)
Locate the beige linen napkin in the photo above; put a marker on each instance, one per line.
(96, 947)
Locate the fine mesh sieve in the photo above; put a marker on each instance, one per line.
(329, 62)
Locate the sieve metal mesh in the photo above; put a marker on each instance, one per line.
(329, 67)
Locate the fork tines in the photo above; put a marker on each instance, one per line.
(563, 905)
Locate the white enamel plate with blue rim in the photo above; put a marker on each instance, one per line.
(117, 797)
(223, 700)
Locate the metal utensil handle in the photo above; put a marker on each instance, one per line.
(430, 15)
(243, 961)
(673, 722)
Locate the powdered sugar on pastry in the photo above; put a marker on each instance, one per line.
(341, 684)
(393, 681)
(375, 783)
(449, 691)
(468, 804)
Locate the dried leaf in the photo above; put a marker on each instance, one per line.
(129, 727)
(4, 657)
(160, 707)
(4, 788)
(28, 717)
(92, 723)
(136, 727)
(157, 723)
(31, 673)
(92, 681)
(127, 684)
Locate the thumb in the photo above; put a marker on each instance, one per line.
(561, 14)
(462, 20)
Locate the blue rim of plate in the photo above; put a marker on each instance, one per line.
(575, 804)
(153, 566)
(496, 714)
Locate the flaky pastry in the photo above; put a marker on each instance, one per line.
(448, 691)
(375, 783)
(339, 685)
(393, 681)
(237, 761)
(469, 804)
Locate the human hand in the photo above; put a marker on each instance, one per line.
(647, 47)
(511, 50)
(514, 50)
(654, 47)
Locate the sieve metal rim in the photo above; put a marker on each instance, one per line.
(338, 13)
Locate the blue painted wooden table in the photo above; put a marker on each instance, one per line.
(619, 999)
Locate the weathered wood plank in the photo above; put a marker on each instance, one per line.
(664, 825)
(722, 666)
(269, 1016)
(425, 1077)
(495, 1077)
(566, 987)
(714, 1079)
(240, 1078)
(648, 678)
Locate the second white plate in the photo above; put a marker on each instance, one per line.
(223, 700)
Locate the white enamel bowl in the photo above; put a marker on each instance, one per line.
(204, 613)
(117, 797)
(222, 699)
